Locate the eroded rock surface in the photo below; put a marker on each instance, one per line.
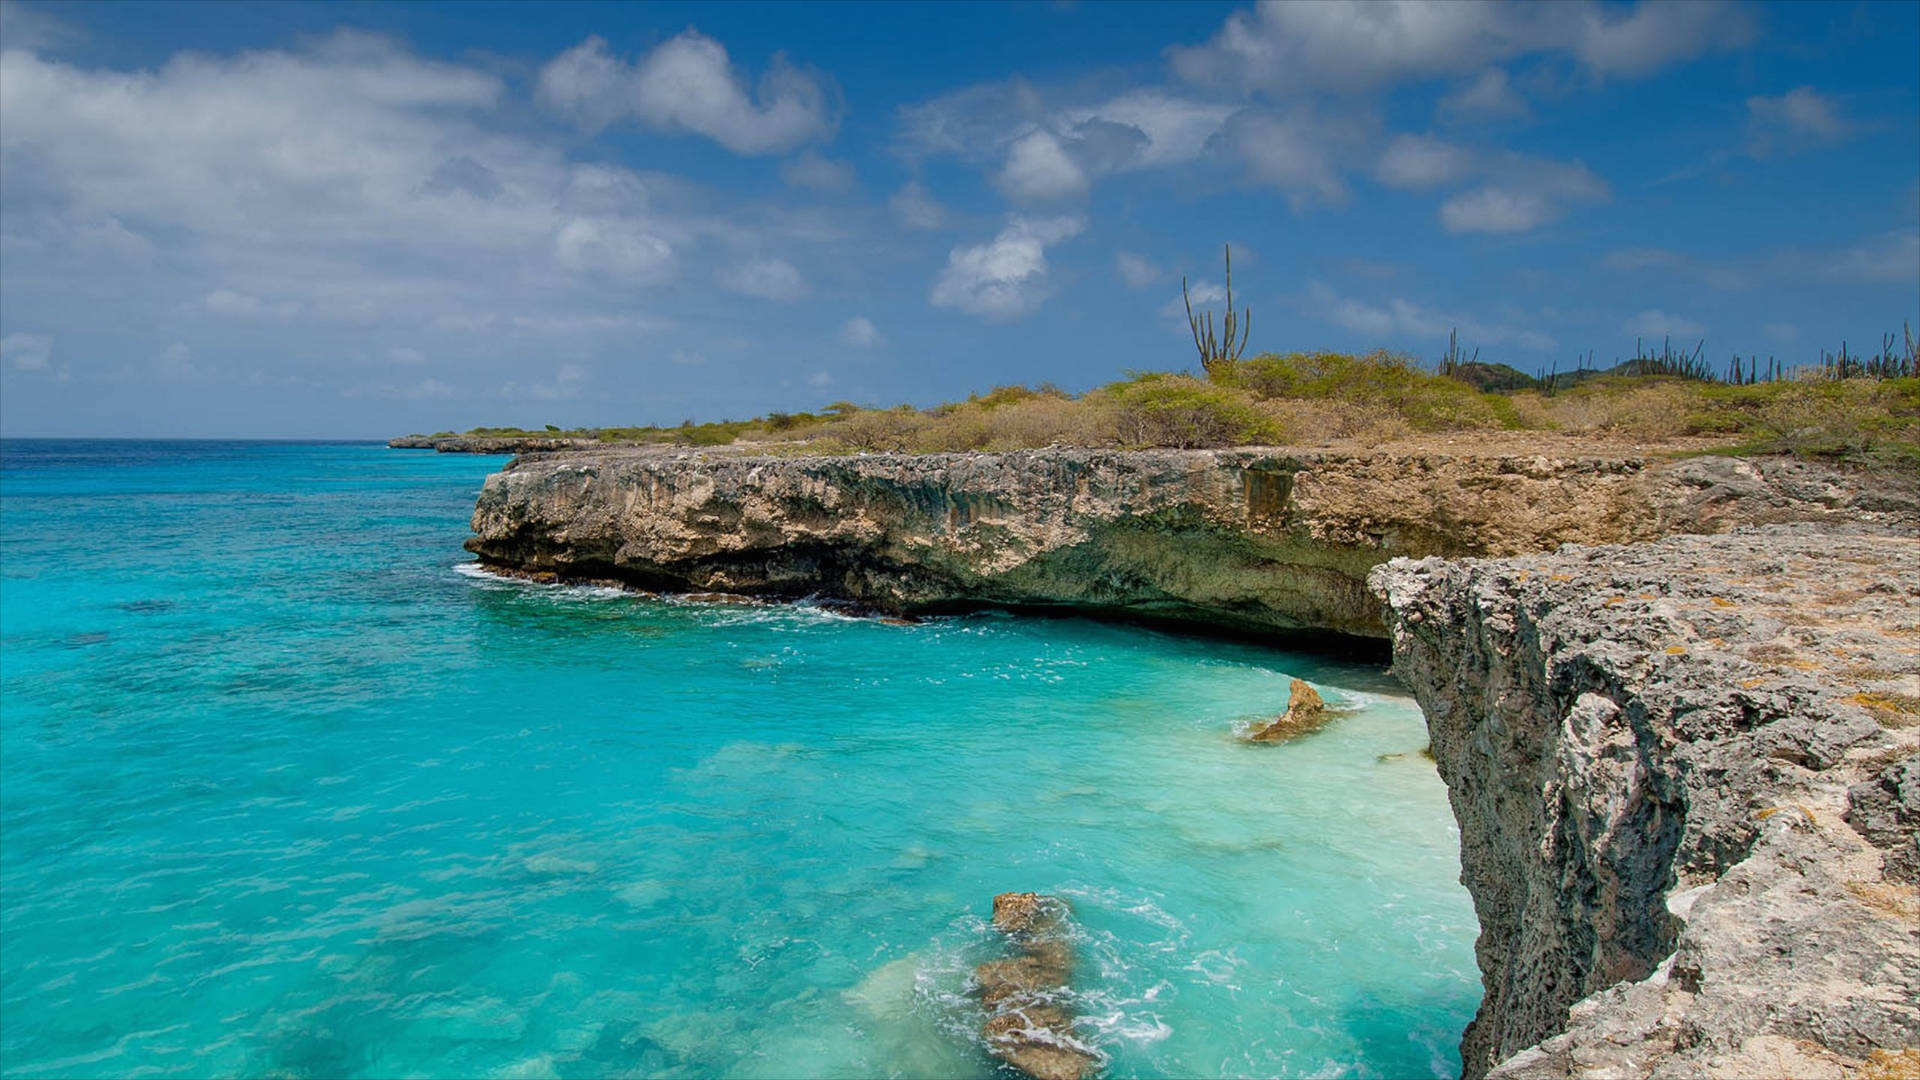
(1029, 1021)
(1250, 539)
(1684, 777)
(1306, 711)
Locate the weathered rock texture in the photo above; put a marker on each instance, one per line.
(1251, 539)
(1685, 777)
(1306, 712)
(1029, 1022)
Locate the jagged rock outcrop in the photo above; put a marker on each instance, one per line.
(1029, 1022)
(1249, 538)
(1684, 773)
(1306, 712)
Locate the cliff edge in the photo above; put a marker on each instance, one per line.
(1254, 539)
(1687, 784)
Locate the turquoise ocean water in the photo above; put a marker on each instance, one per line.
(286, 792)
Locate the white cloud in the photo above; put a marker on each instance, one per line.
(1406, 318)
(683, 358)
(766, 277)
(1135, 270)
(603, 245)
(1283, 45)
(27, 352)
(1495, 210)
(245, 305)
(914, 206)
(1421, 161)
(1041, 150)
(1200, 294)
(1798, 119)
(860, 332)
(819, 173)
(406, 356)
(820, 380)
(1893, 257)
(1784, 333)
(1295, 151)
(1531, 193)
(687, 84)
(32, 29)
(1654, 323)
(1038, 169)
(1006, 277)
(1490, 94)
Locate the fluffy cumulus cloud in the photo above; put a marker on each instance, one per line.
(612, 246)
(688, 84)
(1297, 151)
(1039, 149)
(1399, 317)
(860, 333)
(765, 277)
(340, 196)
(1039, 168)
(1345, 45)
(1522, 193)
(1006, 277)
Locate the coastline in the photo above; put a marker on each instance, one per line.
(1400, 546)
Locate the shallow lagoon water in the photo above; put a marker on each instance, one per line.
(286, 789)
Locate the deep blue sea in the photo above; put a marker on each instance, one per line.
(287, 791)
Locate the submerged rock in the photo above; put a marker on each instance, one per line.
(1029, 1024)
(1306, 712)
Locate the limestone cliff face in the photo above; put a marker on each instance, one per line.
(1686, 779)
(1250, 539)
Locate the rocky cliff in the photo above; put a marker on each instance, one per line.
(1251, 539)
(1686, 779)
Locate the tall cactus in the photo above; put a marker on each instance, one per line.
(1218, 355)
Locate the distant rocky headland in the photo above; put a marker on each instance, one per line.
(1676, 701)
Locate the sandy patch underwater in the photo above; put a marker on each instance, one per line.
(286, 792)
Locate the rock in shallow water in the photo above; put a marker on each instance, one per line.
(1306, 712)
(1029, 1022)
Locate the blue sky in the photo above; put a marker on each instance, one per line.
(357, 219)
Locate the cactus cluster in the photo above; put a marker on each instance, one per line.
(1218, 355)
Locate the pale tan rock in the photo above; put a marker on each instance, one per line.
(1260, 539)
(1306, 712)
(1683, 840)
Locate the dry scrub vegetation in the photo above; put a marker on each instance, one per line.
(1321, 396)
(1318, 398)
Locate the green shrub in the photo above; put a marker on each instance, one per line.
(1185, 412)
(1428, 402)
